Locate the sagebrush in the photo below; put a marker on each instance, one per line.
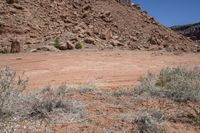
(179, 84)
(42, 105)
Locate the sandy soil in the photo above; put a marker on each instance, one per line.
(104, 69)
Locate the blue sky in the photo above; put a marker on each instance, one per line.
(172, 12)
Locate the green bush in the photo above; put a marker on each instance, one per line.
(78, 46)
(179, 84)
(56, 43)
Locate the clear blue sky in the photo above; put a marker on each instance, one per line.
(172, 12)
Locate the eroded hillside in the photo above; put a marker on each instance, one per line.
(98, 24)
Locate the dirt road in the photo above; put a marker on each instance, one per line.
(106, 69)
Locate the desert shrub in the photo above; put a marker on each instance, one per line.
(10, 91)
(147, 122)
(42, 105)
(87, 89)
(50, 101)
(197, 119)
(11, 98)
(122, 92)
(78, 46)
(56, 43)
(178, 84)
(181, 84)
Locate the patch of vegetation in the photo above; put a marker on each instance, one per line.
(178, 84)
(146, 124)
(86, 89)
(78, 45)
(43, 105)
(122, 92)
(56, 43)
(147, 121)
(10, 91)
(191, 116)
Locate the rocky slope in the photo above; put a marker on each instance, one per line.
(190, 30)
(103, 24)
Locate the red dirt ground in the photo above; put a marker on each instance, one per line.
(104, 69)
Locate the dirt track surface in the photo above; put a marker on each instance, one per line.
(106, 69)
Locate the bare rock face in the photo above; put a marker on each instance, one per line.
(15, 46)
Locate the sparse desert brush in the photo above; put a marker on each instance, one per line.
(178, 84)
(122, 92)
(11, 90)
(147, 121)
(50, 101)
(42, 105)
(11, 98)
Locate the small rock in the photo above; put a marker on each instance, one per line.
(133, 38)
(116, 43)
(17, 6)
(89, 40)
(19, 58)
(47, 48)
(107, 35)
(62, 47)
(87, 7)
(69, 45)
(81, 35)
(33, 50)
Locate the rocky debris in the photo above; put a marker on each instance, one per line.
(100, 24)
(69, 45)
(33, 50)
(116, 43)
(62, 47)
(107, 35)
(45, 48)
(89, 40)
(11, 1)
(15, 46)
(17, 6)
